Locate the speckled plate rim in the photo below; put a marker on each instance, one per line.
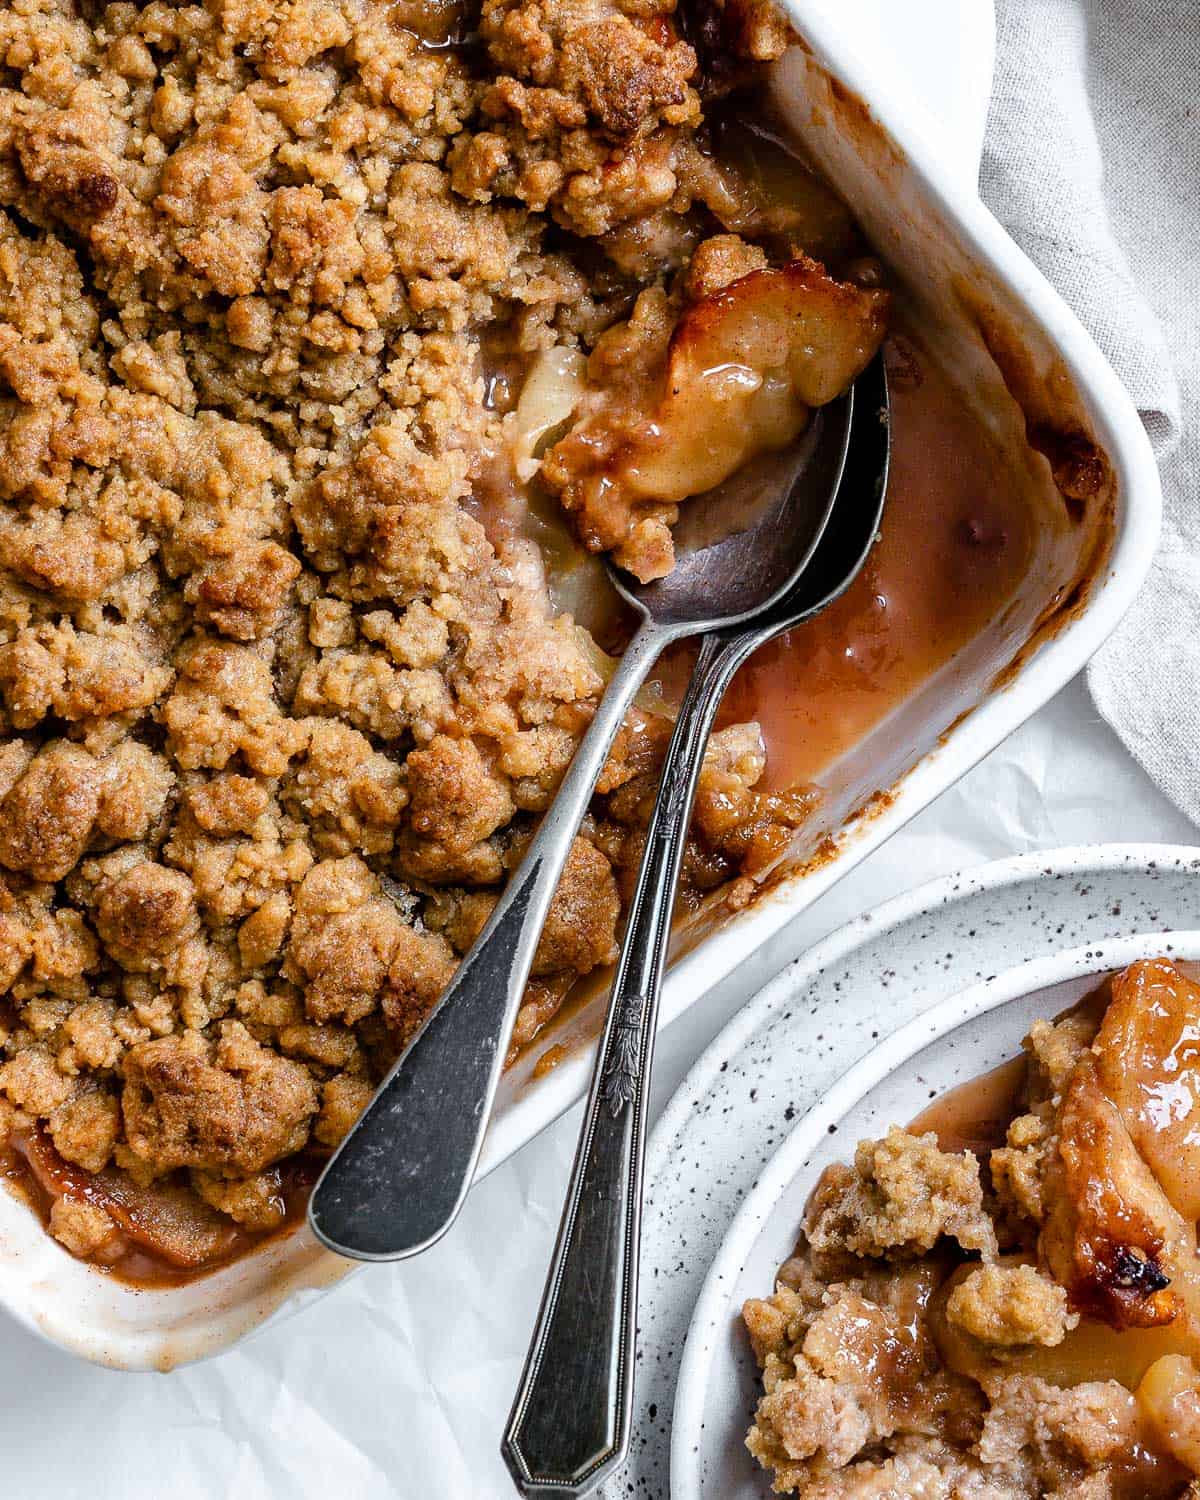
(942, 891)
(958, 1010)
(699, 1171)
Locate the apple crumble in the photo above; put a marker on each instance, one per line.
(1021, 1318)
(301, 302)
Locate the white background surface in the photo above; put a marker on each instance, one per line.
(398, 1383)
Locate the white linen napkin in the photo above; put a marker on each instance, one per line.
(1092, 163)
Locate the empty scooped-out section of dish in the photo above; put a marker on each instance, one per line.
(951, 1072)
(999, 524)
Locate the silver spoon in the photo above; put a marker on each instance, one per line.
(398, 1180)
(569, 1425)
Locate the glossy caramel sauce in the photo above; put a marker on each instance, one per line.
(956, 541)
(975, 1116)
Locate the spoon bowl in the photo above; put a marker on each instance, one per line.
(782, 502)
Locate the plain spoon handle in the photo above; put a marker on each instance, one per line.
(570, 1419)
(400, 1176)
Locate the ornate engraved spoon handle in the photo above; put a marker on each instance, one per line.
(570, 1421)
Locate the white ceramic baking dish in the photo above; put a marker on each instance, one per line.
(966, 279)
(961, 1038)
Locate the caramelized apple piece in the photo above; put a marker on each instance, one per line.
(795, 319)
(744, 367)
(553, 389)
(1169, 1397)
(164, 1218)
(1148, 1049)
(1111, 1235)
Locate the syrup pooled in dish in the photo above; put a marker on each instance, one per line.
(1004, 1299)
(288, 296)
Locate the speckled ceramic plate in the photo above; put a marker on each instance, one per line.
(785, 1050)
(960, 1038)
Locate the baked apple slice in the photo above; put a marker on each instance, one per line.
(1112, 1236)
(741, 372)
(163, 1218)
(1148, 1060)
(1169, 1398)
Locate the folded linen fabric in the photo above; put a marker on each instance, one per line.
(1092, 162)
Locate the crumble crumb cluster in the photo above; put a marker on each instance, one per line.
(281, 692)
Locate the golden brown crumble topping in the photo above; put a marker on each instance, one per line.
(1013, 1322)
(282, 691)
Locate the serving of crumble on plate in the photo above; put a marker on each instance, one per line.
(1000, 1298)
